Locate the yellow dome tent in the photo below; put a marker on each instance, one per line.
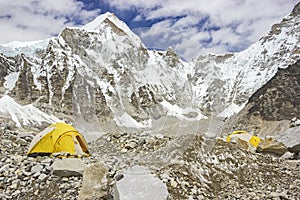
(60, 138)
(243, 135)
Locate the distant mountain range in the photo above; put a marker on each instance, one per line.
(103, 72)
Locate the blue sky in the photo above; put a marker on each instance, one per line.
(127, 14)
(218, 26)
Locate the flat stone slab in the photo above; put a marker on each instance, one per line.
(138, 183)
(68, 167)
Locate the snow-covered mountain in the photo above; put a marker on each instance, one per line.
(102, 71)
(226, 81)
(29, 48)
(27, 115)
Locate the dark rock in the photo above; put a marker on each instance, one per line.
(119, 177)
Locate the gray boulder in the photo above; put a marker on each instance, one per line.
(138, 183)
(94, 182)
(291, 139)
(272, 146)
(68, 167)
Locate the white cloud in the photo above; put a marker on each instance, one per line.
(187, 21)
(204, 22)
(27, 20)
(160, 38)
(241, 21)
(200, 36)
(224, 35)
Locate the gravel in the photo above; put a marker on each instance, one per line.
(189, 171)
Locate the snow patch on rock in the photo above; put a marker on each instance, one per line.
(23, 115)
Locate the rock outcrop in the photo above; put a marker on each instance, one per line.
(271, 108)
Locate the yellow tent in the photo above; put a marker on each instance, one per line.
(243, 135)
(58, 138)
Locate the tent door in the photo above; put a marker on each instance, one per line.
(77, 146)
(82, 144)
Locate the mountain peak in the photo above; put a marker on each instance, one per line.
(116, 25)
(98, 21)
(94, 25)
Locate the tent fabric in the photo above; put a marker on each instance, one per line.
(243, 135)
(58, 138)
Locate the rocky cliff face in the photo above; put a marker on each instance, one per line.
(271, 108)
(279, 99)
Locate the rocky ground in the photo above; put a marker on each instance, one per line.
(23, 177)
(191, 167)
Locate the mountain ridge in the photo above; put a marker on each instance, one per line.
(240, 71)
(115, 76)
(272, 107)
